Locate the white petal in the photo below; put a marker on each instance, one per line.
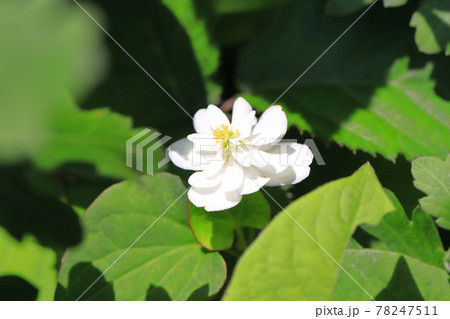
(203, 142)
(253, 181)
(247, 155)
(241, 108)
(213, 199)
(233, 179)
(296, 161)
(216, 117)
(291, 175)
(201, 123)
(243, 117)
(271, 126)
(200, 180)
(181, 154)
(214, 167)
(245, 125)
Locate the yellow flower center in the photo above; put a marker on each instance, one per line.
(223, 134)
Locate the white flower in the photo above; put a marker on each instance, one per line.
(238, 158)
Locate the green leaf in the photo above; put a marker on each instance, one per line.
(432, 23)
(389, 275)
(342, 7)
(30, 261)
(360, 98)
(161, 41)
(165, 263)
(47, 46)
(188, 13)
(394, 3)
(25, 210)
(284, 263)
(96, 137)
(447, 260)
(417, 238)
(43, 124)
(237, 6)
(215, 231)
(432, 176)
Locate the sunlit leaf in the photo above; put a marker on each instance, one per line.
(284, 263)
(388, 275)
(195, 17)
(416, 238)
(432, 176)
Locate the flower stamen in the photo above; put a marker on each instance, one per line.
(223, 134)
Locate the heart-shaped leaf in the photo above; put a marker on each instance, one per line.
(166, 263)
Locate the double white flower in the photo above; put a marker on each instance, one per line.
(238, 158)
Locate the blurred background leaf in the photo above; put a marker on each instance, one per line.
(97, 137)
(432, 23)
(46, 48)
(342, 7)
(30, 261)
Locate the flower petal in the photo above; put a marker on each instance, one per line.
(271, 126)
(213, 199)
(245, 125)
(243, 117)
(200, 180)
(201, 123)
(181, 154)
(241, 108)
(253, 181)
(214, 167)
(295, 161)
(216, 117)
(233, 178)
(247, 155)
(203, 142)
